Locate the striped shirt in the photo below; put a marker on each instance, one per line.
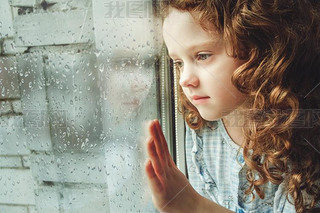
(217, 171)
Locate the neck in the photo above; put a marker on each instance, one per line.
(234, 123)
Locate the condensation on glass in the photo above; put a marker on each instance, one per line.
(78, 79)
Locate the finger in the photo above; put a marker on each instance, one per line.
(163, 143)
(157, 141)
(154, 157)
(153, 179)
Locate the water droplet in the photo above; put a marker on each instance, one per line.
(101, 67)
(66, 67)
(82, 146)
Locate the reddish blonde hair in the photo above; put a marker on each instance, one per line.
(280, 42)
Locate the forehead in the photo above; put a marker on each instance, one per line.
(192, 18)
(180, 30)
(139, 35)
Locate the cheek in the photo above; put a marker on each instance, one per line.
(223, 91)
(143, 81)
(118, 85)
(234, 100)
(140, 83)
(185, 92)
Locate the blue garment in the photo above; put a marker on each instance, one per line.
(217, 171)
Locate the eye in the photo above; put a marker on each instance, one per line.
(178, 64)
(203, 56)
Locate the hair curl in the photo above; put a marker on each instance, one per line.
(280, 42)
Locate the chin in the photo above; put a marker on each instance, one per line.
(210, 117)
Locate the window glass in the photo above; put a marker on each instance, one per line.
(78, 80)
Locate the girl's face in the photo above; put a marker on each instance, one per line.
(128, 62)
(128, 86)
(205, 67)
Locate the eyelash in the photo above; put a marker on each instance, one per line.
(179, 64)
(208, 55)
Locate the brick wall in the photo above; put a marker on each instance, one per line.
(17, 185)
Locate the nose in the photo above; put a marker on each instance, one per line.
(140, 85)
(188, 77)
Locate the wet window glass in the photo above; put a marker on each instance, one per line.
(78, 80)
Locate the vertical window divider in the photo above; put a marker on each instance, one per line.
(178, 127)
(166, 111)
(171, 120)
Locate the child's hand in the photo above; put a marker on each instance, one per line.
(170, 188)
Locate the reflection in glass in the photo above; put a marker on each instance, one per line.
(128, 91)
(128, 49)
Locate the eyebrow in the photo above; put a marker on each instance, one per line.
(211, 43)
(123, 53)
(206, 43)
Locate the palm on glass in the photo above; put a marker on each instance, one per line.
(170, 188)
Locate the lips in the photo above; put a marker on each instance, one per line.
(199, 99)
(134, 102)
(195, 97)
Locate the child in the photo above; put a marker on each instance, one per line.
(249, 77)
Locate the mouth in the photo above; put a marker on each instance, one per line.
(134, 102)
(200, 99)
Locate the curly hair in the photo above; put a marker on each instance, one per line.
(280, 43)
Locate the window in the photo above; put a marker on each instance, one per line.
(78, 79)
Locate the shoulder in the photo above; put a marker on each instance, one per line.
(285, 203)
(282, 202)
